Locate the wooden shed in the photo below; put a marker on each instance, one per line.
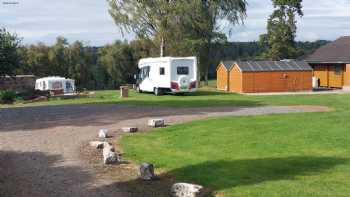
(268, 76)
(331, 63)
(222, 73)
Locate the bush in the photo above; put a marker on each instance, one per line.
(7, 97)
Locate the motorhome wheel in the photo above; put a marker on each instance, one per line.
(138, 89)
(157, 92)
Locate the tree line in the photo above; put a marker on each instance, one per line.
(162, 28)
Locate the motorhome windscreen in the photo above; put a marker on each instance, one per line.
(182, 70)
(145, 72)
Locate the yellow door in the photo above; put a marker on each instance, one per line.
(321, 72)
(335, 76)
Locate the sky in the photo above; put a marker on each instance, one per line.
(88, 21)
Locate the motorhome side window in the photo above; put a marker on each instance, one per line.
(182, 70)
(161, 71)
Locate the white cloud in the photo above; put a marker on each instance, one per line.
(89, 21)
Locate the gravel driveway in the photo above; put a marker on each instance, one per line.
(39, 146)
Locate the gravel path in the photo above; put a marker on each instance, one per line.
(39, 146)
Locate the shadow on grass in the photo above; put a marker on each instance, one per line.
(38, 174)
(219, 175)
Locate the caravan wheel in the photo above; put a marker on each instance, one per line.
(157, 91)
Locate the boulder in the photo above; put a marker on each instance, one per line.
(97, 144)
(156, 123)
(109, 156)
(129, 129)
(147, 172)
(103, 133)
(186, 190)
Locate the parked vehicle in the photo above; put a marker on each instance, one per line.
(56, 85)
(167, 75)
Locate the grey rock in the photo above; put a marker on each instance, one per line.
(186, 190)
(156, 123)
(109, 155)
(97, 144)
(103, 133)
(147, 172)
(129, 129)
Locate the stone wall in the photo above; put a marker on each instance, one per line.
(19, 83)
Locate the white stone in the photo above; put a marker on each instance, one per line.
(103, 133)
(185, 190)
(109, 156)
(97, 144)
(129, 129)
(156, 123)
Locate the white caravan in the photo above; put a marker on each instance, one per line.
(67, 86)
(167, 75)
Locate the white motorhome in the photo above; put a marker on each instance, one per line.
(167, 75)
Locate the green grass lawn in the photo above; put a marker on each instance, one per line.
(205, 97)
(271, 155)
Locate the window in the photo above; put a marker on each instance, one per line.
(145, 72)
(182, 70)
(162, 71)
(68, 86)
(338, 70)
(57, 85)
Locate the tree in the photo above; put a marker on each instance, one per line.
(35, 60)
(146, 18)
(79, 61)
(58, 57)
(281, 30)
(9, 56)
(119, 62)
(202, 25)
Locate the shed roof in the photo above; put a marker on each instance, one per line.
(266, 66)
(334, 52)
(228, 64)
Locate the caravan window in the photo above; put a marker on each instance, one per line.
(68, 86)
(162, 71)
(182, 70)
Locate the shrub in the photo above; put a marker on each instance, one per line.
(7, 97)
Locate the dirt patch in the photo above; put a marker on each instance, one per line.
(125, 175)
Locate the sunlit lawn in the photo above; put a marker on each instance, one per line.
(272, 155)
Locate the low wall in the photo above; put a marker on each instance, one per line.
(19, 83)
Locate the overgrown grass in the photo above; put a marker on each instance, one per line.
(271, 155)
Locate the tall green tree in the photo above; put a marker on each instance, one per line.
(281, 30)
(79, 61)
(9, 56)
(146, 18)
(200, 25)
(119, 63)
(58, 57)
(35, 60)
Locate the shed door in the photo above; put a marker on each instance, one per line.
(335, 76)
(321, 72)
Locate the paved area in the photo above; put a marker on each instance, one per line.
(40, 147)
